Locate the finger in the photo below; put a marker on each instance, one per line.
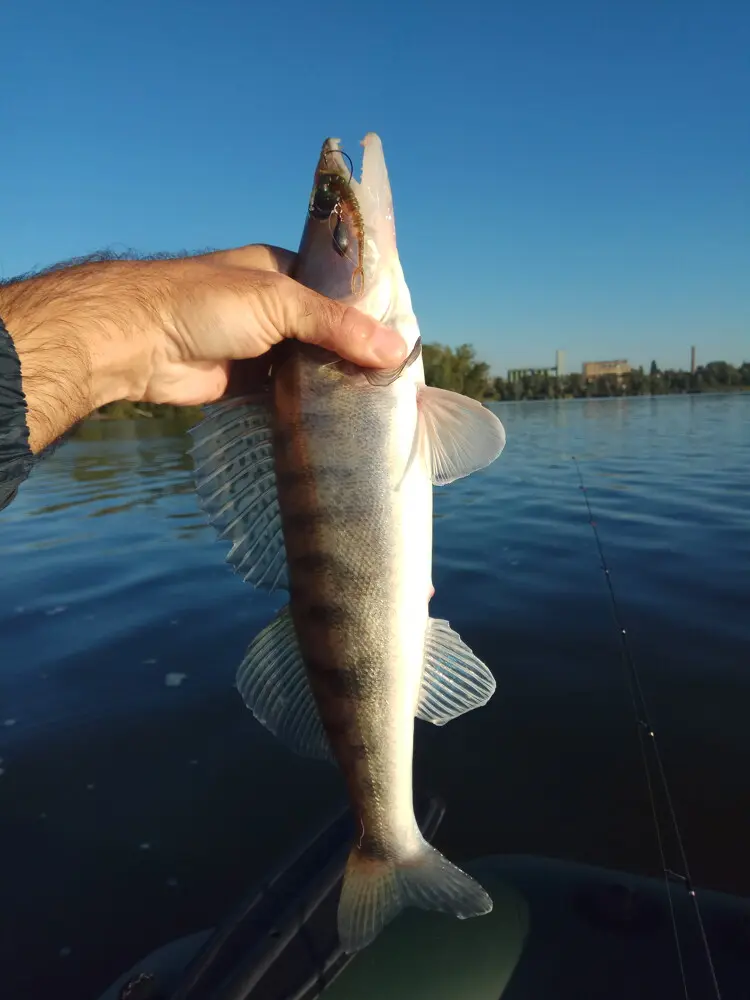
(343, 329)
(257, 255)
(262, 256)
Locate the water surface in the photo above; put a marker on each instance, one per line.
(139, 799)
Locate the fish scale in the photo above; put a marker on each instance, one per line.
(346, 526)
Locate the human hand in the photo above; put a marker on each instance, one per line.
(167, 331)
(236, 304)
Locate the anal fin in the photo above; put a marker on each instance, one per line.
(454, 680)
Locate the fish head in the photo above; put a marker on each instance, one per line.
(348, 249)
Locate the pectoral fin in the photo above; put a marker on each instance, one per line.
(457, 435)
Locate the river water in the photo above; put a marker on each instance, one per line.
(138, 797)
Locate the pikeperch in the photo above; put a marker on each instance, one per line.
(323, 485)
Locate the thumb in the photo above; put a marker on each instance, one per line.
(342, 329)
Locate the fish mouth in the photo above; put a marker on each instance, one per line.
(348, 248)
(334, 202)
(334, 159)
(333, 183)
(336, 162)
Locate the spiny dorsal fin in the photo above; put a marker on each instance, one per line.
(236, 485)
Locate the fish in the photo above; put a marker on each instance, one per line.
(322, 482)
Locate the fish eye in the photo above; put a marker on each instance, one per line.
(324, 201)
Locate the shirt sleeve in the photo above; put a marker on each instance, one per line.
(16, 457)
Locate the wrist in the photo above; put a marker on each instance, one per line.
(83, 337)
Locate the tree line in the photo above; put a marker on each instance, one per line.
(124, 410)
(459, 369)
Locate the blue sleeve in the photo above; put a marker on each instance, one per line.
(16, 457)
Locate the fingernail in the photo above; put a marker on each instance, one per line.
(387, 347)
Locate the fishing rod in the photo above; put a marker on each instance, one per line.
(647, 739)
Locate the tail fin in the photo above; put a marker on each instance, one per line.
(375, 891)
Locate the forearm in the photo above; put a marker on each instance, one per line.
(78, 336)
(167, 330)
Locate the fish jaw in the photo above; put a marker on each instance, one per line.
(387, 295)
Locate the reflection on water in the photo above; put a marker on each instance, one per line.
(117, 456)
(137, 806)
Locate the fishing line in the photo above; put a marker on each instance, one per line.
(646, 738)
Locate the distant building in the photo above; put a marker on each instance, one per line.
(515, 374)
(593, 369)
(692, 361)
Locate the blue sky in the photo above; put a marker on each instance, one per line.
(565, 174)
